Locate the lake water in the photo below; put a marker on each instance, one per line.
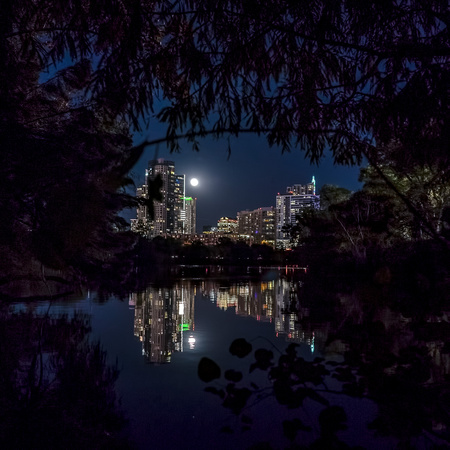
(159, 336)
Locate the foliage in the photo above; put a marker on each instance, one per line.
(354, 226)
(335, 74)
(375, 218)
(292, 380)
(169, 251)
(349, 77)
(399, 381)
(424, 185)
(64, 165)
(332, 195)
(57, 389)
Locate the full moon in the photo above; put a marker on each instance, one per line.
(194, 182)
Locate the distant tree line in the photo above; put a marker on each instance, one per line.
(366, 223)
(226, 252)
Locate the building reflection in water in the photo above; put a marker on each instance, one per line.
(164, 317)
(274, 301)
(164, 320)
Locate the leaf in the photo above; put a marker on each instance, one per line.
(134, 155)
(292, 427)
(332, 363)
(154, 188)
(215, 391)
(295, 398)
(353, 389)
(240, 348)
(344, 374)
(208, 370)
(233, 375)
(291, 349)
(313, 395)
(283, 392)
(332, 420)
(263, 359)
(236, 398)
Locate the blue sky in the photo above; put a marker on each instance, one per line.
(249, 178)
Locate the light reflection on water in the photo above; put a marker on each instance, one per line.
(164, 318)
(172, 328)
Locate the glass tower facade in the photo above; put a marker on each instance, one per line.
(289, 205)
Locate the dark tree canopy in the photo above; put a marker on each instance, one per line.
(64, 160)
(340, 74)
(351, 77)
(346, 75)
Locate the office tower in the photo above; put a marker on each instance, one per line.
(175, 214)
(289, 206)
(190, 215)
(257, 226)
(179, 205)
(164, 211)
(303, 189)
(169, 214)
(227, 225)
(141, 224)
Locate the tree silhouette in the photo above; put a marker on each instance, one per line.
(57, 389)
(75, 76)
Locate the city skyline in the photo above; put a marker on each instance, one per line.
(164, 318)
(248, 178)
(174, 214)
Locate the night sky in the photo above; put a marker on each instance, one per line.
(249, 178)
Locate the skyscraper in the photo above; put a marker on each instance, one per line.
(141, 224)
(257, 226)
(289, 205)
(175, 213)
(227, 225)
(164, 210)
(179, 205)
(190, 213)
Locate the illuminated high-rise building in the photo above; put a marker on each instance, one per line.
(179, 204)
(169, 213)
(227, 225)
(175, 213)
(257, 226)
(142, 222)
(288, 207)
(164, 220)
(190, 215)
(303, 189)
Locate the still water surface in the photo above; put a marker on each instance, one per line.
(158, 337)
